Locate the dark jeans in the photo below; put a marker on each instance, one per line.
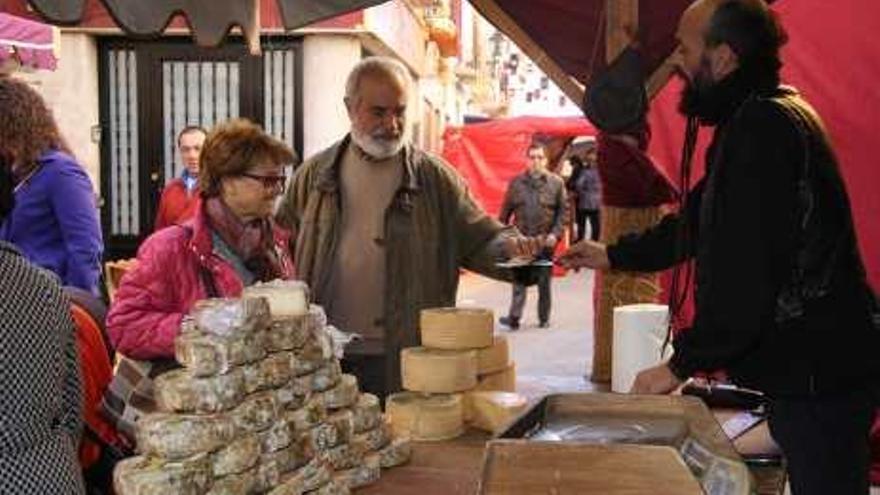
(370, 371)
(519, 297)
(581, 216)
(825, 441)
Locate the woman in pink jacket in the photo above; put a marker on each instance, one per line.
(231, 242)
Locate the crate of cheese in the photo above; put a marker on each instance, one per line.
(259, 405)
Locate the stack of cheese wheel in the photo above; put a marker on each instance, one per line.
(260, 405)
(459, 355)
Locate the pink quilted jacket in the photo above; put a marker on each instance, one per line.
(166, 282)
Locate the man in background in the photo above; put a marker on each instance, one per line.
(180, 196)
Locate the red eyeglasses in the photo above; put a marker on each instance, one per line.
(268, 181)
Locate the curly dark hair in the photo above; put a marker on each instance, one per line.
(235, 147)
(27, 126)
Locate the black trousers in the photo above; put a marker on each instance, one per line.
(518, 298)
(825, 442)
(370, 371)
(581, 217)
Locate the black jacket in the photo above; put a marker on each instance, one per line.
(782, 301)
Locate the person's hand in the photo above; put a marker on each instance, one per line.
(585, 254)
(656, 380)
(519, 246)
(550, 241)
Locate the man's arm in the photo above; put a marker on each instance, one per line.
(559, 212)
(507, 205)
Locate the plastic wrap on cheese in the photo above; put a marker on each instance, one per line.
(181, 391)
(176, 436)
(343, 395)
(142, 475)
(235, 484)
(395, 453)
(239, 456)
(363, 475)
(257, 412)
(228, 317)
(206, 354)
(286, 298)
(367, 413)
(285, 334)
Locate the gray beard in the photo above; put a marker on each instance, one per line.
(379, 149)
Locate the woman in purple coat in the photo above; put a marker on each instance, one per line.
(54, 222)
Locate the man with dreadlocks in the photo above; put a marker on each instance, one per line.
(782, 302)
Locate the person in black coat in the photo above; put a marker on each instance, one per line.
(586, 188)
(782, 300)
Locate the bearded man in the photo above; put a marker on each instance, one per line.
(782, 300)
(383, 228)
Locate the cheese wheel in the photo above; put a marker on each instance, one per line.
(327, 376)
(438, 371)
(345, 456)
(395, 453)
(176, 436)
(150, 476)
(234, 484)
(292, 396)
(367, 413)
(504, 381)
(286, 298)
(206, 354)
(363, 475)
(494, 358)
(336, 430)
(228, 317)
(457, 328)
(425, 418)
(257, 413)
(272, 372)
(237, 457)
(180, 391)
(375, 439)
(269, 475)
(344, 394)
(285, 334)
(491, 411)
(306, 417)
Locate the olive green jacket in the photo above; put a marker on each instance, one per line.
(433, 227)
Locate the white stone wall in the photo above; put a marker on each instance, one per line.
(72, 93)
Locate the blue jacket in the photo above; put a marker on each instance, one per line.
(55, 221)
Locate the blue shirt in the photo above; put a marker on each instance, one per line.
(55, 222)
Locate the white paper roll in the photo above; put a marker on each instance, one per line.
(639, 330)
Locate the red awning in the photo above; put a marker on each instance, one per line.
(30, 43)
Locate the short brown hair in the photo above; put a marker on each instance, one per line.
(234, 147)
(27, 126)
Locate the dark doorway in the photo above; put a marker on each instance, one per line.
(151, 90)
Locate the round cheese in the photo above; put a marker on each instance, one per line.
(504, 381)
(175, 436)
(292, 396)
(277, 437)
(228, 317)
(273, 371)
(457, 328)
(180, 391)
(286, 298)
(344, 394)
(345, 456)
(494, 358)
(306, 417)
(205, 354)
(297, 454)
(492, 411)
(438, 371)
(395, 453)
(237, 457)
(312, 476)
(333, 487)
(285, 334)
(149, 476)
(257, 413)
(421, 417)
(367, 413)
